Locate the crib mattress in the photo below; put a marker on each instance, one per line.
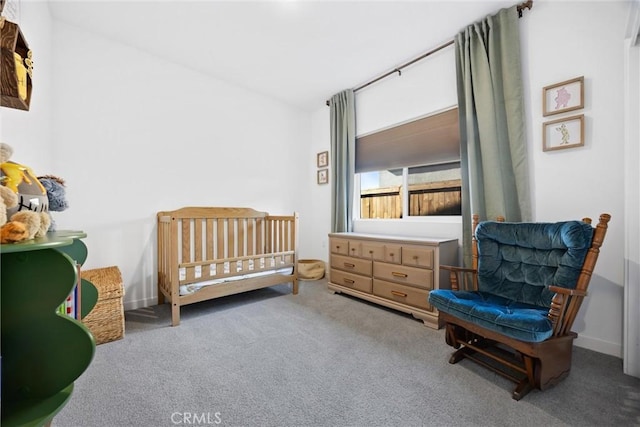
(194, 287)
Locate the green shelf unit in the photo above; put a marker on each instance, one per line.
(78, 252)
(36, 412)
(89, 298)
(42, 352)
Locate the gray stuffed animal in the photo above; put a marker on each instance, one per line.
(57, 195)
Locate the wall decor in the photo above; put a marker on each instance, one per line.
(323, 159)
(16, 67)
(562, 97)
(323, 176)
(563, 133)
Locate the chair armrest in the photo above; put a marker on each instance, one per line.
(462, 278)
(564, 308)
(565, 291)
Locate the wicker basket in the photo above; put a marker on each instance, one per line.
(310, 269)
(106, 320)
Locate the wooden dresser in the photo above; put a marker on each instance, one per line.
(397, 272)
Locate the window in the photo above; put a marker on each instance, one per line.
(412, 169)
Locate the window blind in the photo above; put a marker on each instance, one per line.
(430, 140)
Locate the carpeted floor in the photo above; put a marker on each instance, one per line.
(269, 358)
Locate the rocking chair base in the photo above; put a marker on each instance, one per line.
(530, 365)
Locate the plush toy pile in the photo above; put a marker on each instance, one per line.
(25, 200)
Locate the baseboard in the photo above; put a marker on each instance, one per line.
(600, 346)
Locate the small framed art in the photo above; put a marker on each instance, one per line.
(562, 97)
(323, 159)
(563, 133)
(323, 176)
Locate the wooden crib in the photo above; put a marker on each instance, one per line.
(210, 252)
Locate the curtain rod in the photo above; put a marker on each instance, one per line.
(521, 7)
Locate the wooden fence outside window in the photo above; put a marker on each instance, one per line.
(436, 198)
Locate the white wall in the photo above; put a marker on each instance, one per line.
(29, 132)
(318, 208)
(560, 40)
(135, 135)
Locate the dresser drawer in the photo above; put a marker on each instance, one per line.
(373, 250)
(420, 277)
(354, 281)
(355, 248)
(417, 256)
(380, 252)
(392, 253)
(352, 265)
(339, 246)
(402, 294)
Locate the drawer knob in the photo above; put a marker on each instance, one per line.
(399, 294)
(349, 265)
(391, 254)
(370, 252)
(349, 281)
(396, 274)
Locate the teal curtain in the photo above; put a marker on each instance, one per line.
(493, 149)
(343, 149)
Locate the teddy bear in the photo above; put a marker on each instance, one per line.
(13, 231)
(23, 223)
(8, 199)
(36, 223)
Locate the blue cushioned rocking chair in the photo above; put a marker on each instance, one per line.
(513, 311)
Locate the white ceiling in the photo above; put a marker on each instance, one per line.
(300, 52)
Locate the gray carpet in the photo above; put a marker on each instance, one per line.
(269, 358)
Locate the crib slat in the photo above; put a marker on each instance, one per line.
(269, 236)
(221, 253)
(241, 234)
(259, 236)
(288, 240)
(186, 240)
(251, 230)
(197, 240)
(209, 254)
(231, 237)
(285, 236)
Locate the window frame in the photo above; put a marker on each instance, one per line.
(357, 210)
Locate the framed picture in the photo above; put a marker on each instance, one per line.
(323, 159)
(323, 176)
(563, 97)
(563, 133)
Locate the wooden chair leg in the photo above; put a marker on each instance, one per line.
(522, 389)
(460, 354)
(527, 383)
(450, 336)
